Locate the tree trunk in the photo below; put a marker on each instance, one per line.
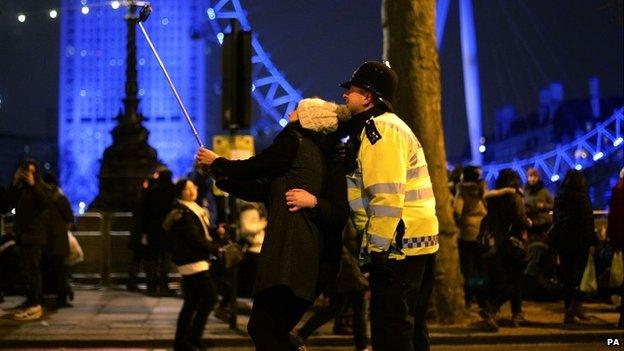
(409, 46)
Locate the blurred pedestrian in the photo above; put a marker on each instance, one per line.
(61, 218)
(253, 224)
(347, 290)
(30, 197)
(615, 229)
(573, 239)
(539, 202)
(469, 209)
(507, 222)
(158, 200)
(187, 227)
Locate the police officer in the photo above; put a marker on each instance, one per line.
(393, 208)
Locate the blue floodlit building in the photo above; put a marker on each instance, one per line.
(92, 78)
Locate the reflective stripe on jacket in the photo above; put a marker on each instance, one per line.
(392, 184)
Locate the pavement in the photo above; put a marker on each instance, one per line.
(113, 317)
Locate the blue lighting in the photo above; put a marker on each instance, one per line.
(211, 13)
(92, 99)
(598, 155)
(557, 161)
(554, 178)
(220, 37)
(482, 148)
(283, 122)
(618, 141)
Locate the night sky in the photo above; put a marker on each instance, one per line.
(522, 44)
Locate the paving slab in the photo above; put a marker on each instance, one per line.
(117, 318)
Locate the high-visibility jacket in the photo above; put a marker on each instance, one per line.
(390, 192)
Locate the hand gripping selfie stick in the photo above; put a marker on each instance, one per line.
(146, 10)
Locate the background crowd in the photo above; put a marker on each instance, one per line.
(515, 241)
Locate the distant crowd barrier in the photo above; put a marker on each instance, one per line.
(104, 238)
(105, 241)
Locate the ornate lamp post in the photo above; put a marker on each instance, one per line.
(130, 159)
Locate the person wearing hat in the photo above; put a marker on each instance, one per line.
(290, 261)
(393, 208)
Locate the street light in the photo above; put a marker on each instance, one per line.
(53, 13)
(21, 17)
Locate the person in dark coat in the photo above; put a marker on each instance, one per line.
(539, 202)
(57, 250)
(187, 228)
(573, 239)
(156, 204)
(615, 229)
(507, 221)
(469, 209)
(289, 265)
(30, 197)
(252, 223)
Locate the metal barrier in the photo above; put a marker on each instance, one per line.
(104, 239)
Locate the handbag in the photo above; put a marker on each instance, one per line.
(75, 251)
(589, 283)
(616, 277)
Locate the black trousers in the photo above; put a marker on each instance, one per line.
(31, 263)
(572, 267)
(199, 297)
(276, 311)
(157, 267)
(338, 302)
(472, 268)
(504, 277)
(60, 278)
(399, 300)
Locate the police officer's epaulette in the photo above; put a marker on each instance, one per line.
(371, 131)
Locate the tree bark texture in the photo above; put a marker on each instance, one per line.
(410, 47)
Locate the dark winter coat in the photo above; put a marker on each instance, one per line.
(291, 251)
(534, 194)
(187, 239)
(331, 213)
(506, 214)
(615, 228)
(61, 216)
(157, 202)
(469, 209)
(573, 230)
(32, 205)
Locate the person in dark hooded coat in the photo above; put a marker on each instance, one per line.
(573, 239)
(61, 217)
(508, 222)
